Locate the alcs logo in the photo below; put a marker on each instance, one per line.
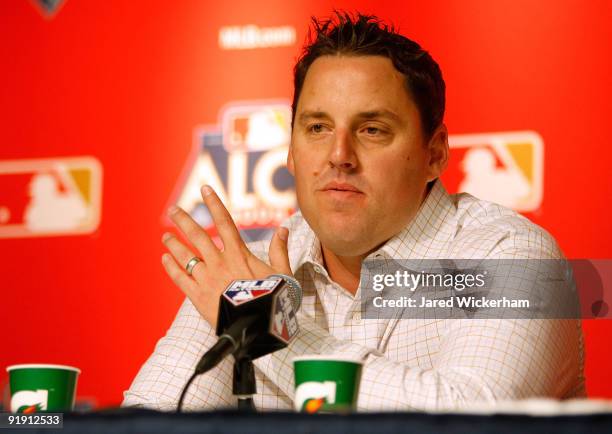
(244, 159)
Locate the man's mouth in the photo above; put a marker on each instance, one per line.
(341, 187)
(342, 192)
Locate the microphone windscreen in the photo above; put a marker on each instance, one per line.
(294, 290)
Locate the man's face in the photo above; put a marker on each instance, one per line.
(358, 153)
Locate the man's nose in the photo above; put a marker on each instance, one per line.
(342, 155)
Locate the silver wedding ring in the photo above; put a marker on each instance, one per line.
(192, 263)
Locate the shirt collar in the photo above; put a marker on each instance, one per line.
(427, 226)
(303, 246)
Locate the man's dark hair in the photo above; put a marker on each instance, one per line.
(366, 35)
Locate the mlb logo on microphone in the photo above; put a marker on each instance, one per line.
(50, 196)
(241, 291)
(284, 324)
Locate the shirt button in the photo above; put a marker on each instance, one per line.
(317, 269)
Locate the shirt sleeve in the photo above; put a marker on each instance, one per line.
(161, 379)
(479, 361)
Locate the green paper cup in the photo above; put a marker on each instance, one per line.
(42, 388)
(326, 384)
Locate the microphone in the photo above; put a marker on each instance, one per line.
(256, 317)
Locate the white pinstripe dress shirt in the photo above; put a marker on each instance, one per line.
(425, 364)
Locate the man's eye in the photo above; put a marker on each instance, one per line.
(316, 128)
(373, 131)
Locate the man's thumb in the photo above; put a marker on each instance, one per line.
(279, 257)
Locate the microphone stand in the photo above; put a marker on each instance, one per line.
(244, 386)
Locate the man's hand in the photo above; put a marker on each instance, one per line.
(218, 267)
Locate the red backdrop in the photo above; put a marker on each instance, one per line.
(128, 83)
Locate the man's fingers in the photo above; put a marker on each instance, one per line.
(179, 276)
(279, 257)
(223, 220)
(194, 233)
(183, 255)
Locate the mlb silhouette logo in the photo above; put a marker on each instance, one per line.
(256, 127)
(506, 168)
(49, 197)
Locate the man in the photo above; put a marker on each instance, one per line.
(368, 146)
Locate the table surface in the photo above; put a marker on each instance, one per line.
(118, 421)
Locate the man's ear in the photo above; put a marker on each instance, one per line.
(438, 152)
(290, 163)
